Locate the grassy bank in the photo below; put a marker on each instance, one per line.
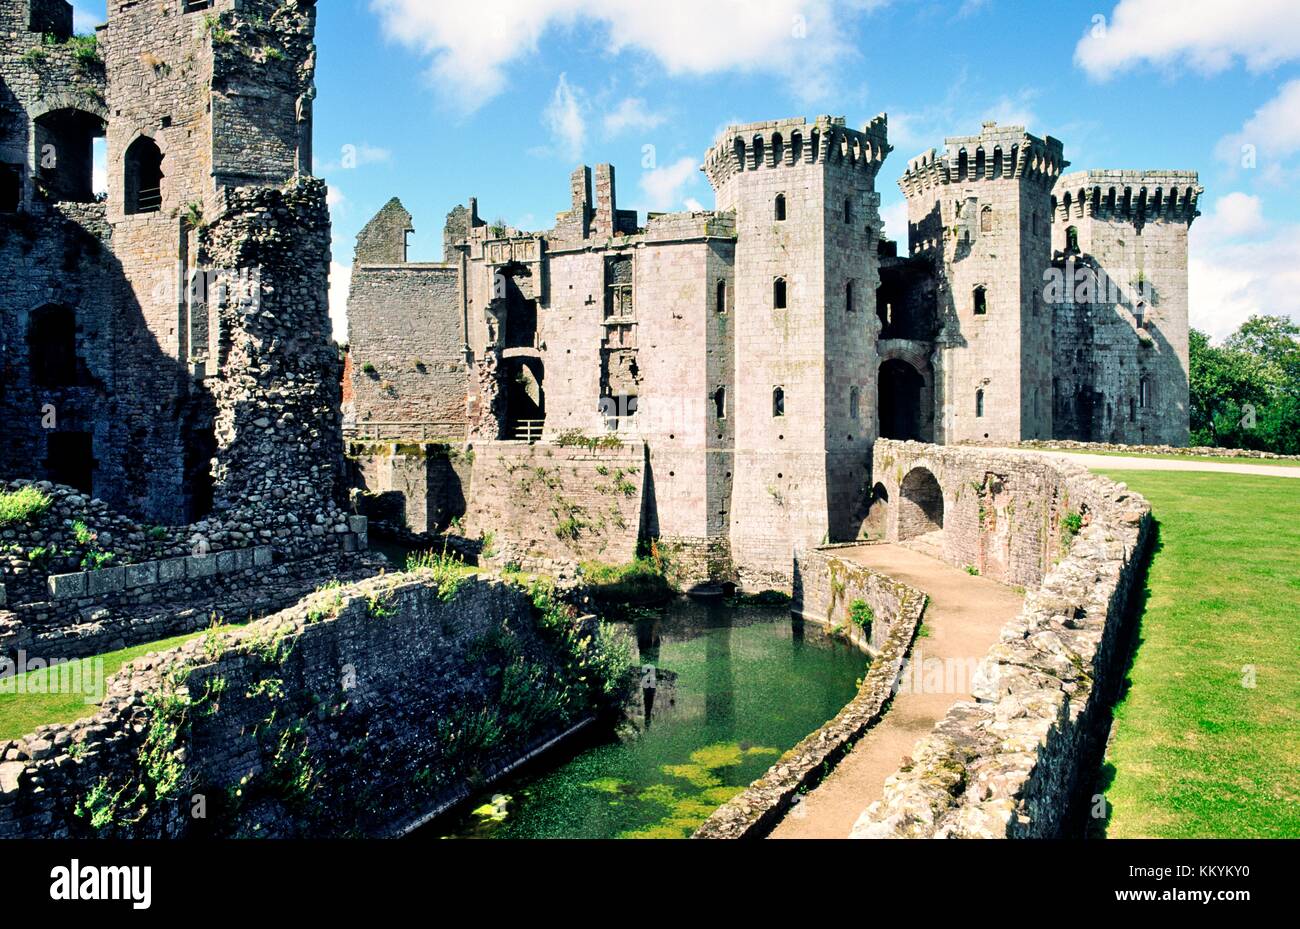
(24, 705)
(1214, 459)
(1204, 743)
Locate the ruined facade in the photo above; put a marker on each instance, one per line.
(759, 350)
(166, 347)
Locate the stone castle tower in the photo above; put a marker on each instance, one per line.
(807, 228)
(157, 321)
(981, 213)
(1119, 241)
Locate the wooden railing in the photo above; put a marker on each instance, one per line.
(529, 430)
(370, 431)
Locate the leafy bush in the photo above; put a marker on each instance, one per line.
(1072, 523)
(23, 505)
(643, 582)
(447, 570)
(862, 616)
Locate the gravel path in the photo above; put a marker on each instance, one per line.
(964, 618)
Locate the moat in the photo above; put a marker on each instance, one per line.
(736, 687)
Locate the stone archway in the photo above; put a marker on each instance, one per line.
(525, 397)
(920, 505)
(901, 393)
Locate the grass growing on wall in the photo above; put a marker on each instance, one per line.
(1204, 743)
(22, 711)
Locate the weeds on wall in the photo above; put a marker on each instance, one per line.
(24, 505)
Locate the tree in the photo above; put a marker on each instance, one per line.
(1246, 392)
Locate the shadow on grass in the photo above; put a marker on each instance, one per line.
(1100, 772)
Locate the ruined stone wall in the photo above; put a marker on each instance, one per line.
(406, 339)
(1005, 514)
(1015, 762)
(421, 487)
(279, 447)
(350, 714)
(1127, 309)
(826, 587)
(90, 613)
(549, 504)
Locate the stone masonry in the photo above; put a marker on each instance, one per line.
(760, 349)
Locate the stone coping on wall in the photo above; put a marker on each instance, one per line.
(1009, 763)
(755, 812)
(1199, 451)
(113, 580)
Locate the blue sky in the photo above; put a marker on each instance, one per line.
(436, 101)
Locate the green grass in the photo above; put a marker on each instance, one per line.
(1217, 459)
(1194, 753)
(644, 582)
(22, 505)
(21, 713)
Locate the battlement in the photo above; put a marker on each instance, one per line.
(790, 142)
(1128, 196)
(997, 153)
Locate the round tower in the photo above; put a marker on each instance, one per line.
(808, 227)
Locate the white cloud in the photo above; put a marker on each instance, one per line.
(1208, 35)
(564, 120)
(694, 205)
(1274, 130)
(1241, 265)
(333, 196)
(471, 45)
(340, 282)
(914, 131)
(664, 187)
(632, 115)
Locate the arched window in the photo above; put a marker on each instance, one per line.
(981, 301)
(721, 303)
(979, 404)
(758, 151)
(720, 403)
(778, 401)
(848, 210)
(849, 305)
(980, 164)
(144, 176)
(778, 150)
(1072, 240)
(779, 295)
(778, 212)
(740, 153)
(52, 346)
(854, 402)
(963, 165)
(1144, 393)
(986, 219)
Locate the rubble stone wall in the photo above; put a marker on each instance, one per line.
(1016, 761)
(350, 714)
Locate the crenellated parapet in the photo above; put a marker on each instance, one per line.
(791, 142)
(997, 153)
(1128, 196)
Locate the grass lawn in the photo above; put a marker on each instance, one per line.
(1196, 751)
(20, 712)
(1219, 459)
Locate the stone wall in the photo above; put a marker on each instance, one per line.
(898, 611)
(1013, 762)
(1005, 514)
(93, 612)
(421, 487)
(826, 587)
(551, 503)
(348, 715)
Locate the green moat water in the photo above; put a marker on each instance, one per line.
(737, 687)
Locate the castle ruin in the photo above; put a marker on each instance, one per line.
(757, 351)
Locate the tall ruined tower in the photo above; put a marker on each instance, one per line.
(806, 270)
(166, 346)
(1121, 317)
(982, 212)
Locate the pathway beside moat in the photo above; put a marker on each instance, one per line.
(964, 617)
